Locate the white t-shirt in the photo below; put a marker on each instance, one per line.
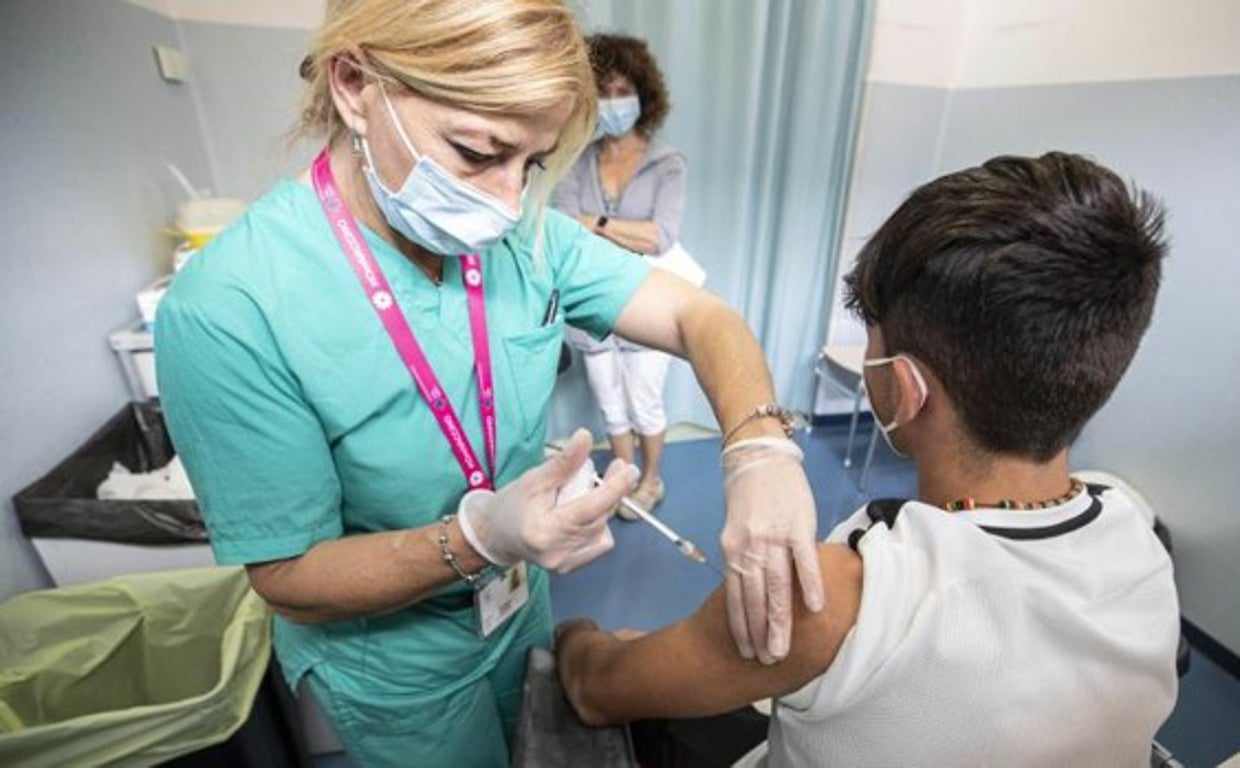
(1047, 638)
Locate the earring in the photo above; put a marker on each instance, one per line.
(357, 143)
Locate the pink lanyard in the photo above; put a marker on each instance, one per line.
(380, 293)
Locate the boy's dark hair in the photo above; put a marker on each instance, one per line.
(1025, 284)
(631, 57)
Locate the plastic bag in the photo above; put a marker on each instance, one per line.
(135, 670)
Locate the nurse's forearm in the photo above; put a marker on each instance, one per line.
(363, 575)
(729, 365)
(668, 313)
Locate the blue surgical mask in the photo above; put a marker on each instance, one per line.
(892, 425)
(617, 117)
(435, 209)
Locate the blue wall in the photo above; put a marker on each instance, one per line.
(1172, 429)
(84, 199)
(249, 91)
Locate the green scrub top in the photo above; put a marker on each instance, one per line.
(298, 423)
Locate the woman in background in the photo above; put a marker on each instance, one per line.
(629, 188)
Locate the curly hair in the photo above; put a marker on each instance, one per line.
(631, 57)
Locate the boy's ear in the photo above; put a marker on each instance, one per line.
(910, 387)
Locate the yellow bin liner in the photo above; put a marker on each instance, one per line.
(134, 670)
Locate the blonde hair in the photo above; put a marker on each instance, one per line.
(501, 56)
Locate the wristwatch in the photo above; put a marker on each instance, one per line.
(602, 222)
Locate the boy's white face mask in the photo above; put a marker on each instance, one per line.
(924, 391)
(435, 209)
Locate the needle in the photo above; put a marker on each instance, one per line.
(683, 545)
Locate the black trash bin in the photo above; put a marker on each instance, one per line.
(63, 503)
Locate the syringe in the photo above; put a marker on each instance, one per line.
(683, 545)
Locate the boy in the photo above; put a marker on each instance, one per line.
(1010, 615)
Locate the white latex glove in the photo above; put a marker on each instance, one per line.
(579, 484)
(527, 519)
(771, 524)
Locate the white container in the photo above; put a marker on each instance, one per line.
(135, 349)
(149, 298)
(181, 254)
(203, 218)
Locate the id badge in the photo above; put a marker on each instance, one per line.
(500, 598)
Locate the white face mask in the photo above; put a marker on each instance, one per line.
(435, 209)
(617, 117)
(891, 426)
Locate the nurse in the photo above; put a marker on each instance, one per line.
(357, 375)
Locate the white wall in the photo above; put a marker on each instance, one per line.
(1151, 89)
(917, 42)
(277, 14)
(1038, 42)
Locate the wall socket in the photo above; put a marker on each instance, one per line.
(173, 64)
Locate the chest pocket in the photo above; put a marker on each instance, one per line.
(533, 357)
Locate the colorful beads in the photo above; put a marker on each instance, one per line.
(968, 504)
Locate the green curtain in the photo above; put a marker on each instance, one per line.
(765, 98)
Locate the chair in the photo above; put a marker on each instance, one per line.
(841, 366)
(549, 733)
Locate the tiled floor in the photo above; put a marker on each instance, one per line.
(644, 583)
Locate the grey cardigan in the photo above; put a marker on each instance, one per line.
(655, 193)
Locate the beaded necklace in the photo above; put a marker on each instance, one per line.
(960, 505)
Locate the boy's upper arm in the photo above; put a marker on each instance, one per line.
(693, 669)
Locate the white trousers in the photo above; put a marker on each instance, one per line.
(628, 385)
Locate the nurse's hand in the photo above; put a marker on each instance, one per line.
(771, 524)
(523, 521)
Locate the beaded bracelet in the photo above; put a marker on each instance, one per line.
(769, 410)
(448, 557)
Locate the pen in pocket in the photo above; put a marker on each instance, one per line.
(553, 304)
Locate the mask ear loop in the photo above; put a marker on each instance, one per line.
(359, 142)
(400, 129)
(921, 384)
(921, 381)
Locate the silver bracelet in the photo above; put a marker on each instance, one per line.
(769, 410)
(445, 552)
